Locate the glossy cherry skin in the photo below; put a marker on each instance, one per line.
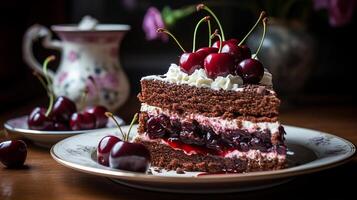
(205, 51)
(233, 41)
(100, 118)
(82, 121)
(251, 71)
(218, 64)
(189, 62)
(60, 126)
(130, 156)
(233, 50)
(62, 109)
(13, 153)
(246, 53)
(104, 147)
(38, 120)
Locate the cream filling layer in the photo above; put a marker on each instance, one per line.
(199, 79)
(218, 124)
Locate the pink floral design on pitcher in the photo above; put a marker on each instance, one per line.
(62, 76)
(107, 81)
(72, 56)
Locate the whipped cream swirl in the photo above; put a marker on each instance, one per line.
(199, 79)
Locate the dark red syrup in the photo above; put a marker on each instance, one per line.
(194, 149)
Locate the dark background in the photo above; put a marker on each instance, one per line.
(332, 81)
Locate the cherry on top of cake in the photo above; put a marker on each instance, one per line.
(224, 57)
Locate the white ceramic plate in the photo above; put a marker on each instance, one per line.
(308, 151)
(46, 138)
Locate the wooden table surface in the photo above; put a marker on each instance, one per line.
(43, 178)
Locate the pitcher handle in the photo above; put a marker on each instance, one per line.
(33, 34)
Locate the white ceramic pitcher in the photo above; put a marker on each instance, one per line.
(85, 53)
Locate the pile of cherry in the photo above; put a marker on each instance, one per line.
(120, 153)
(224, 56)
(64, 116)
(61, 114)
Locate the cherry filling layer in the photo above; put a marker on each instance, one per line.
(190, 134)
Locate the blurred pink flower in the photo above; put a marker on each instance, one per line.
(340, 11)
(152, 21)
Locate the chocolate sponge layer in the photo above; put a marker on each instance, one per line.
(165, 157)
(253, 100)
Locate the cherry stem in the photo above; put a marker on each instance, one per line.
(84, 98)
(162, 30)
(215, 34)
(49, 84)
(195, 32)
(96, 88)
(110, 115)
(42, 81)
(265, 20)
(261, 16)
(204, 7)
(209, 33)
(131, 125)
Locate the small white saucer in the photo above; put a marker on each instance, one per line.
(47, 138)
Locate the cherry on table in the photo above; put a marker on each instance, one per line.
(63, 108)
(130, 156)
(251, 71)
(104, 147)
(99, 113)
(38, 120)
(13, 153)
(218, 64)
(82, 121)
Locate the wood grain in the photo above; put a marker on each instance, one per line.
(43, 178)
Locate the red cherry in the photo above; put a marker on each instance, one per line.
(233, 41)
(218, 64)
(13, 153)
(233, 50)
(205, 51)
(251, 71)
(104, 147)
(189, 62)
(38, 120)
(129, 156)
(99, 112)
(60, 126)
(82, 121)
(63, 108)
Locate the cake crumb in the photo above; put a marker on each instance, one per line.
(179, 171)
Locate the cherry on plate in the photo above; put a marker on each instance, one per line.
(38, 120)
(104, 147)
(130, 156)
